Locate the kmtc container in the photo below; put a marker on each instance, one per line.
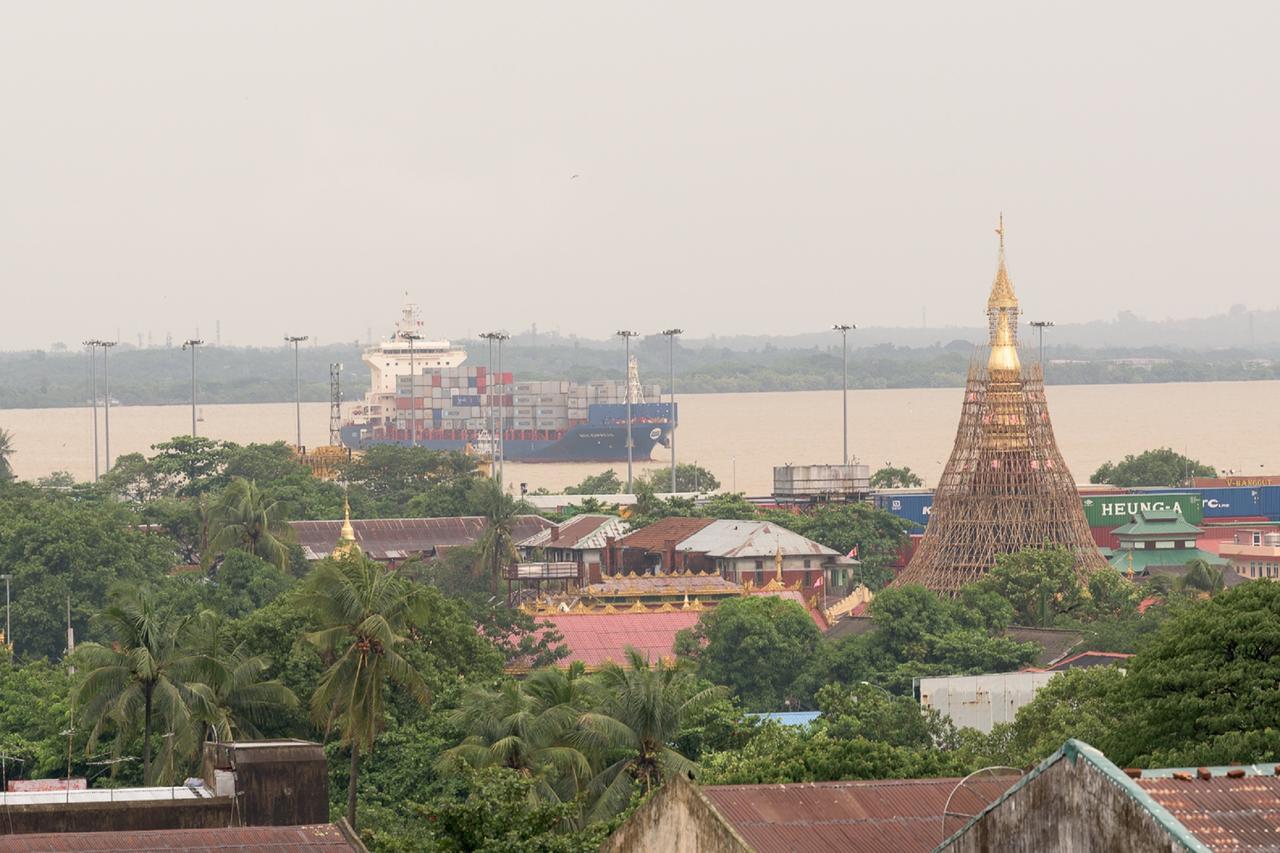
(1115, 510)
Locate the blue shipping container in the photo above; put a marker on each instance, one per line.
(466, 399)
(1271, 502)
(1221, 502)
(910, 507)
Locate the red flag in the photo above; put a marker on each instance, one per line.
(853, 552)
(818, 582)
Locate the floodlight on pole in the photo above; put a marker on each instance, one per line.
(844, 329)
(93, 344)
(491, 421)
(1040, 326)
(106, 401)
(671, 367)
(502, 415)
(627, 335)
(191, 344)
(297, 385)
(413, 390)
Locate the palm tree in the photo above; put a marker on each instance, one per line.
(243, 517)
(146, 671)
(528, 727)
(364, 613)
(1203, 577)
(497, 547)
(641, 710)
(6, 450)
(241, 700)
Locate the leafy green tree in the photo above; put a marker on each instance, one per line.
(755, 645)
(640, 710)
(527, 726)
(190, 465)
(864, 710)
(145, 676)
(690, 477)
(1202, 577)
(890, 477)
(1040, 583)
(403, 481)
(242, 517)
(365, 615)
(604, 483)
(727, 506)
(33, 713)
(1085, 704)
(1204, 688)
(6, 455)
(1160, 467)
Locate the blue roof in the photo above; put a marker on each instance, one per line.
(790, 718)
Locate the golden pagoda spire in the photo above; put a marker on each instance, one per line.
(777, 563)
(1002, 295)
(347, 538)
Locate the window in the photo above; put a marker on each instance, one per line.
(808, 564)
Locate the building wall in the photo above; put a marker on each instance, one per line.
(1069, 806)
(126, 816)
(677, 818)
(980, 701)
(793, 569)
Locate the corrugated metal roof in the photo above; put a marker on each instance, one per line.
(1224, 813)
(402, 538)
(272, 839)
(596, 638)
(656, 535)
(695, 584)
(582, 532)
(899, 816)
(733, 539)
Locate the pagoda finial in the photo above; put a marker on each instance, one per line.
(1002, 296)
(777, 561)
(347, 538)
(1000, 230)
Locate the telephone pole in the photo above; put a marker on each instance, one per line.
(106, 400)
(93, 398)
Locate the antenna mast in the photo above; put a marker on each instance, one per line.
(335, 404)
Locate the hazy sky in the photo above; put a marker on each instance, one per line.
(740, 167)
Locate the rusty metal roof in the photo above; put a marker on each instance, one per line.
(897, 816)
(1223, 812)
(655, 536)
(582, 532)
(403, 538)
(733, 539)
(693, 583)
(596, 638)
(272, 839)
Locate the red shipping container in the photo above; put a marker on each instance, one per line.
(1104, 537)
(435, 380)
(403, 403)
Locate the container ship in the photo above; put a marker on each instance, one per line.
(423, 394)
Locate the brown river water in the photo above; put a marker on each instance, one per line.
(740, 437)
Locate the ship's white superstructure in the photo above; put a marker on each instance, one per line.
(400, 356)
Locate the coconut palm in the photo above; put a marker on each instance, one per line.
(640, 712)
(243, 517)
(526, 726)
(1202, 577)
(242, 701)
(496, 548)
(364, 613)
(145, 673)
(6, 450)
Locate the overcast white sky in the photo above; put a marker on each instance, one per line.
(293, 167)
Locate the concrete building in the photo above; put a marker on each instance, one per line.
(981, 701)
(580, 541)
(1077, 799)
(1253, 553)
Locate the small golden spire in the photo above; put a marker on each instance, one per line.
(347, 538)
(777, 563)
(1002, 295)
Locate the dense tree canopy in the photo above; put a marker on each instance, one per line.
(1160, 467)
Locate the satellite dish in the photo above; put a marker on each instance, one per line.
(969, 797)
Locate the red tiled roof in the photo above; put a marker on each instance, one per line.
(402, 538)
(272, 839)
(596, 638)
(1224, 813)
(898, 816)
(655, 536)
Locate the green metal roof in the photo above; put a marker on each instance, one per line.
(1159, 523)
(1147, 558)
(1076, 750)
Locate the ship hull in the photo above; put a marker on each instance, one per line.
(585, 443)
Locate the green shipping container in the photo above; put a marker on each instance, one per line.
(1115, 510)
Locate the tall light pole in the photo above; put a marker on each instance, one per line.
(191, 344)
(671, 367)
(297, 384)
(413, 387)
(1040, 326)
(626, 336)
(8, 636)
(502, 415)
(491, 421)
(93, 398)
(106, 400)
(843, 329)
